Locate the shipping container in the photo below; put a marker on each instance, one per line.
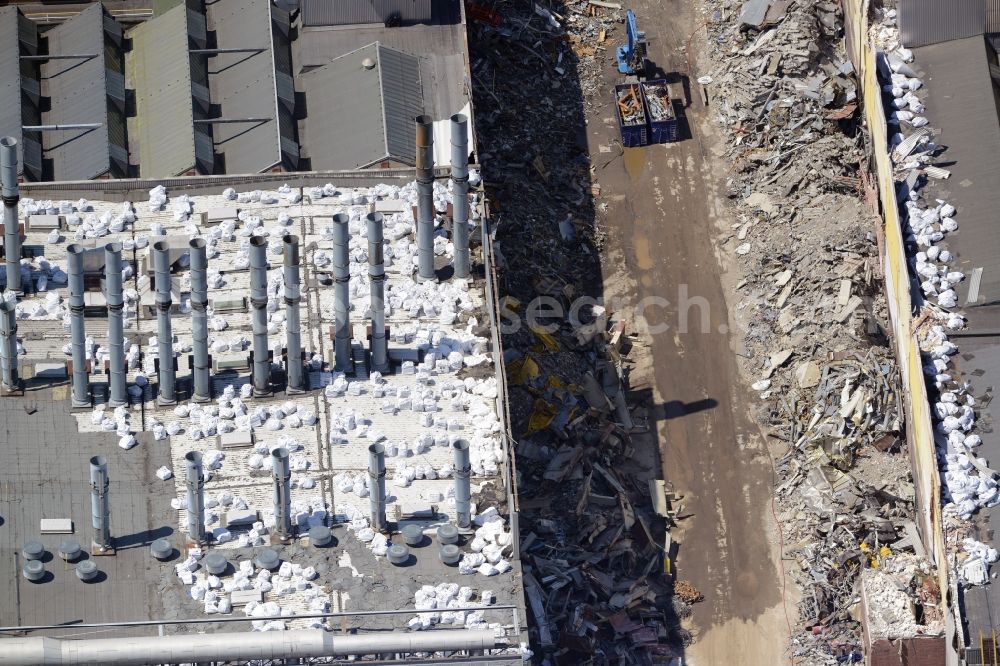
(631, 115)
(659, 111)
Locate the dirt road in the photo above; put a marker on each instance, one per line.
(664, 210)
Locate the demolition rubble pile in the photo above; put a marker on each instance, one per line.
(816, 347)
(967, 482)
(593, 563)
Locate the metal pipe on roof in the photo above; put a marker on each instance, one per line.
(293, 366)
(116, 324)
(68, 56)
(460, 194)
(78, 334)
(281, 472)
(220, 121)
(376, 279)
(8, 344)
(100, 502)
(60, 128)
(463, 485)
(194, 481)
(341, 294)
(376, 475)
(425, 198)
(166, 394)
(10, 195)
(235, 50)
(236, 646)
(258, 301)
(202, 390)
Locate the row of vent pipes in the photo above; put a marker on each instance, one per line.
(201, 389)
(261, 366)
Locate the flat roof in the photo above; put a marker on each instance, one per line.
(78, 93)
(959, 95)
(351, 578)
(440, 45)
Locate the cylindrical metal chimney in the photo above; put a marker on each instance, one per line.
(376, 473)
(100, 505)
(8, 344)
(258, 301)
(166, 394)
(463, 487)
(10, 195)
(460, 194)
(116, 325)
(282, 474)
(295, 382)
(202, 389)
(341, 294)
(376, 278)
(78, 335)
(425, 198)
(194, 480)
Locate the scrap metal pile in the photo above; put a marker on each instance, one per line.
(592, 543)
(814, 318)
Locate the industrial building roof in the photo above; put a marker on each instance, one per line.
(440, 47)
(52, 483)
(244, 85)
(10, 77)
(160, 73)
(78, 92)
(358, 116)
(961, 104)
(348, 12)
(959, 96)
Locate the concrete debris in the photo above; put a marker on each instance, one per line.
(805, 237)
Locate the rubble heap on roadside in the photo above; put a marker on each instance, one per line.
(816, 346)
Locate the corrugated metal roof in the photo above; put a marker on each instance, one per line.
(10, 77)
(958, 93)
(992, 16)
(923, 22)
(161, 76)
(78, 91)
(354, 12)
(243, 85)
(356, 116)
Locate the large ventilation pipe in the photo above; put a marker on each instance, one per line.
(282, 474)
(194, 482)
(166, 394)
(376, 473)
(78, 334)
(10, 195)
(8, 344)
(235, 647)
(116, 325)
(293, 366)
(463, 487)
(100, 505)
(376, 278)
(258, 301)
(202, 391)
(425, 198)
(341, 293)
(460, 194)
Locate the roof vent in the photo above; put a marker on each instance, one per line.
(368, 63)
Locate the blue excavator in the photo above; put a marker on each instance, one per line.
(632, 54)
